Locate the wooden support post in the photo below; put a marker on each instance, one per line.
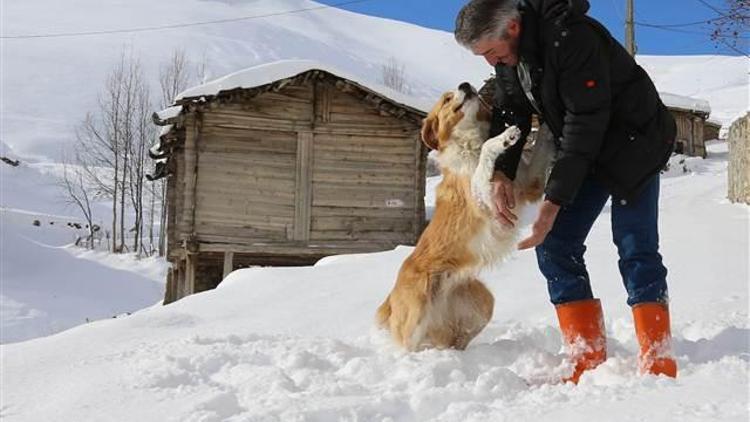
(191, 267)
(630, 28)
(228, 263)
(303, 190)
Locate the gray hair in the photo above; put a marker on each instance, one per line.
(480, 19)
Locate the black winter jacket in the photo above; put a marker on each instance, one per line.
(603, 109)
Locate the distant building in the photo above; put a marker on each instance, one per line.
(691, 115)
(283, 164)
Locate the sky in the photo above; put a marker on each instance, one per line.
(687, 40)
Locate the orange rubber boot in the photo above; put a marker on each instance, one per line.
(582, 327)
(652, 329)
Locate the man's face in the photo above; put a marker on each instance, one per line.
(500, 50)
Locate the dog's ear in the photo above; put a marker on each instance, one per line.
(429, 132)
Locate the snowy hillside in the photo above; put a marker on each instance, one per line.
(298, 343)
(46, 286)
(49, 84)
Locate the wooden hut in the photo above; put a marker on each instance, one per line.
(283, 164)
(690, 114)
(711, 130)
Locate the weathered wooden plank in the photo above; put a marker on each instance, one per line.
(248, 232)
(362, 224)
(241, 189)
(191, 266)
(376, 151)
(323, 94)
(384, 195)
(398, 213)
(380, 236)
(247, 173)
(349, 170)
(191, 172)
(281, 162)
(228, 263)
(258, 123)
(356, 128)
(327, 248)
(334, 163)
(241, 208)
(336, 176)
(388, 141)
(363, 156)
(336, 201)
(303, 188)
(261, 221)
(211, 238)
(207, 201)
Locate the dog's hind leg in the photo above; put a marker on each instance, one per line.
(473, 307)
(384, 313)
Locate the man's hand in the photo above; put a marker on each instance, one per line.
(542, 225)
(502, 194)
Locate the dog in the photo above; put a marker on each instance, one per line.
(438, 301)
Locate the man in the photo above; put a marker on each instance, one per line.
(612, 134)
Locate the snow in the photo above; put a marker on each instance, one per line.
(47, 286)
(272, 72)
(723, 81)
(299, 343)
(169, 112)
(685, 103)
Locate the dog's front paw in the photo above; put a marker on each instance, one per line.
(505, 140)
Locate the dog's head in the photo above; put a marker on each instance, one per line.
(457, 110)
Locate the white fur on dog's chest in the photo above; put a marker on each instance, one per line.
(492, 243)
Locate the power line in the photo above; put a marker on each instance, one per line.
(721, 13)
(679, 25)
(684, 31)
(721, 39)
(178, 25)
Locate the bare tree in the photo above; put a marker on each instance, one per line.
(99, 139)
(732, 24)
(393, 75)
(142, 134)
(113, 141)
(76, 190)
(174, 77)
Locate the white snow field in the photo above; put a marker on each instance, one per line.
(47, 286)
(298, 344)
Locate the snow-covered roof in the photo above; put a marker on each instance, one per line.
(685, 103)
(271, 72)
(169, 113)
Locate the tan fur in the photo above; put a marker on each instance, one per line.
(437, 300)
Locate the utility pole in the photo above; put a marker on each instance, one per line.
(629, 28)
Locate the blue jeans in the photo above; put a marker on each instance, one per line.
(634, 231)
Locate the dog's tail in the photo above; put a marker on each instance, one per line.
(384, 313)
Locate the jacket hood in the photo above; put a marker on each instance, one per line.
(558, 10)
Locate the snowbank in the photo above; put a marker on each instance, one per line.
(298, 343)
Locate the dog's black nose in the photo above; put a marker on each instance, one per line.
(467, 89)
